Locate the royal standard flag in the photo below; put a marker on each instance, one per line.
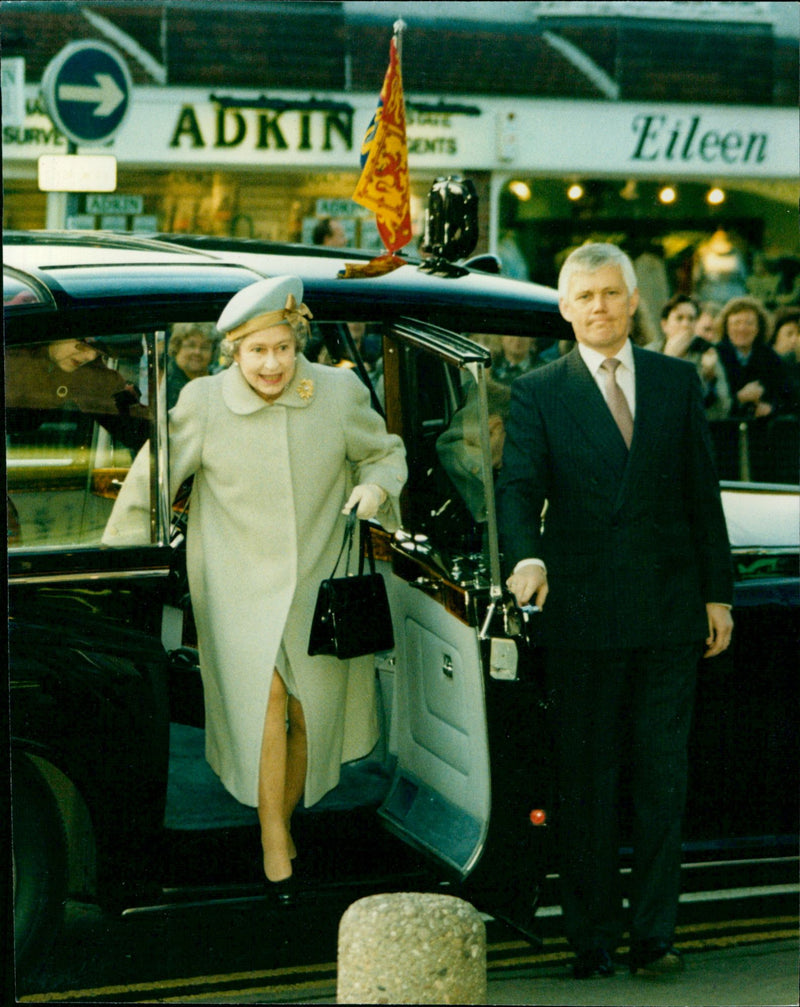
(384, 186)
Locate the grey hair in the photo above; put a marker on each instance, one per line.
(591, 257)
(229, 347)
(181, 331)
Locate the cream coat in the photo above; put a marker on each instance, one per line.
(265, 526)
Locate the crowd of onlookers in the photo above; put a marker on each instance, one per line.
(748, 363)
(747, 360)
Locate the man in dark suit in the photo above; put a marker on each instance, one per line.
(632, 558)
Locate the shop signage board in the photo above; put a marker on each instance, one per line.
(190, 128)
(87, 89)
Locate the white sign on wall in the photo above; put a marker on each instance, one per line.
(114, 204)
(13, 90)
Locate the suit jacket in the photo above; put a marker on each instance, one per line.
(635, 542)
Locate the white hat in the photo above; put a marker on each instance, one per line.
(268, 302)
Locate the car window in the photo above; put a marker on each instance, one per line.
(445, 499)
(75, 417)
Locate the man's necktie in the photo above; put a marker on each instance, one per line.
(615, 397)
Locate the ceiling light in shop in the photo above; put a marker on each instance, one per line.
(521, 190)
(575, 192)
(667, 195)
(715, 196)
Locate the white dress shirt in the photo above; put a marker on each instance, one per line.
(625, 373)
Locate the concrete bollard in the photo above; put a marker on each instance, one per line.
(411, 948)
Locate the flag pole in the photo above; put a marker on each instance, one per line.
(398, 28)
(383, 186)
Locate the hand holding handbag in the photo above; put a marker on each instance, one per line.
(352, 616)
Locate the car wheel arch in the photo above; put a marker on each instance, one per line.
(39, 859)
(74, 815)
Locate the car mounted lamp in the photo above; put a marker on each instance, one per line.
(451, 224)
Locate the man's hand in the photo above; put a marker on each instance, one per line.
(720, 629)
(529, 582)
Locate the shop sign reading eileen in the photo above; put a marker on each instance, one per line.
(687, 139)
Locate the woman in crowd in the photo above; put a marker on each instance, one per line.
(785, 341)
(280, 449)
(756, 375)
(191, 351)
(678, 322)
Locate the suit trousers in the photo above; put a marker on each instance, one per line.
(621, 711)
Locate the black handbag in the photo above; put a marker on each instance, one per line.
(352, 616)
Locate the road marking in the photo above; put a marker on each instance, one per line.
(755, 936)
(178, 983)
(323, 989)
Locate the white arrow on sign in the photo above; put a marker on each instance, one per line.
(107, 94)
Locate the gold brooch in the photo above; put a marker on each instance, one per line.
(305, 389)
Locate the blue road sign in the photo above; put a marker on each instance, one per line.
(87, 89)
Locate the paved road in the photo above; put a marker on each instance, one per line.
(765, 973)
(757, 974)
(245, 955)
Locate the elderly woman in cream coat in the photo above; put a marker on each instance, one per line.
(280, 449)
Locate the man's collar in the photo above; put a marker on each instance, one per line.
(593, 359)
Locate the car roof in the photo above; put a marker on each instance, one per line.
(101, 272)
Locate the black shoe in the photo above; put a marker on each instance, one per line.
(589, 964)
(284, 892)
(651, 959)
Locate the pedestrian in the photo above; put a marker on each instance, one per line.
(756, 374)
(191, 355)
(706, 324)
(329, 233)
(516, 356)
(630, 566)
(785, 341)
(280, 449)
(678, 324)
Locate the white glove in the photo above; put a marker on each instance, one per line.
(367, 499)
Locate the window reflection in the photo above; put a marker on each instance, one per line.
(73, 423)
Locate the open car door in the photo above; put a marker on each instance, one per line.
(468, 706)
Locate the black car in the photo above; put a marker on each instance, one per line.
(112, 800)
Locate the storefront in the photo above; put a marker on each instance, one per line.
(549, 173)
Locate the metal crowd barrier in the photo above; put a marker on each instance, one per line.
(763, 450)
